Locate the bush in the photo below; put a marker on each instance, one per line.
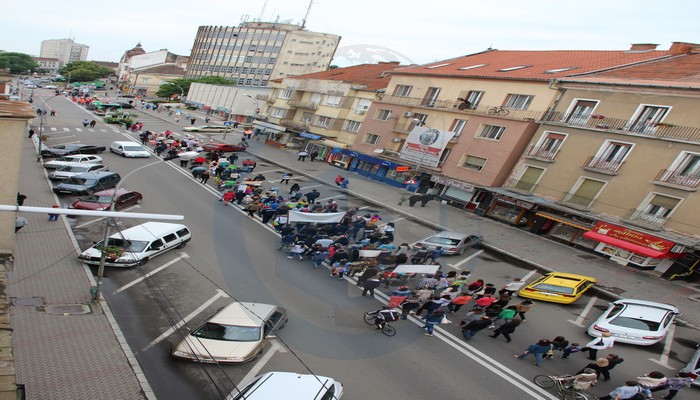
(112, 120)
(191, 108)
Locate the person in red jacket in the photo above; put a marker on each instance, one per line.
(458, 302)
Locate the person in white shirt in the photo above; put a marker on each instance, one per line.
(513, 286)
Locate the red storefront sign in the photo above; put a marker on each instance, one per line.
(628, 239)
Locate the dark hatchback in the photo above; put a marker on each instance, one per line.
(89, 183)
(68, 149)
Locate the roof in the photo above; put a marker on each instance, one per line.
(531, 64)
(677, 71)
(370, 77)
(163, 69)
(16, 109)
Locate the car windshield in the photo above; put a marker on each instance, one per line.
(97, 199)
(232, 333)
(134, 246)
(443, 241)
(133, 148)
(548, 287)
(76, 168)
(635, 323)
(74, 180)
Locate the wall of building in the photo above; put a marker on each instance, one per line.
(12, 134)
(148, 59)
(231, 98)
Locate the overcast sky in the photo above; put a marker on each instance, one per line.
(372, 30)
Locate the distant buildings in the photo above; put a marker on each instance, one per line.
(141, 72)
(65, 50)
(48, 65)
(254, 53)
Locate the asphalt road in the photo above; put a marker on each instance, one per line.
(232, 257)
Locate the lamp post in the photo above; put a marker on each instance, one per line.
(42, 117)
(110, 222)
(182, 91)
(257, 104)
(419, 163)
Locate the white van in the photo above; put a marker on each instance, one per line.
(289, 386)
(129, 149)
(135, 246)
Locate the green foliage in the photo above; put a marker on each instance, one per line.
(118, 120)
(215, 80)
(169, 90)
(83, 75)
(18, 63)
(87, 70)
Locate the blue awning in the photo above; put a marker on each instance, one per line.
(311, 136)
(370, 159)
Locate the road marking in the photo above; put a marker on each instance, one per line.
(91, 130)
(66, 129)
(53, 129)
(361, 208)
(155, 271)
(219, 294)
(78, 129)
(103, 130)
(459, 264)
(668, 342)
(584, 313)
(529, 274)
(101, 218)
(330, 198)
(274, 347)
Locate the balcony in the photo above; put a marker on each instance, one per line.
(674, 179)
(299, 125)
(455, 107)
(262, 97)
(308, 105)
(600, 164)
(271, 100)
(660, 130)
(643, 219)
(541, 153)
(576, 201)
(519, 185)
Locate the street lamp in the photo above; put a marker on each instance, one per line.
(182, 91)
(42, 118)
(432, 132)
(257, 104)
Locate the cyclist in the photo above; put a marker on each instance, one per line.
(383, 316)
(583, 381)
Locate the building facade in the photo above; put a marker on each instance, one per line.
(146, 81)
(136, 63)
(233, 103)
(65, 50)
(48, 65)
(254, 53)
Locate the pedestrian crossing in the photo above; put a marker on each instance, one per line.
(176, 135)
(93, 130)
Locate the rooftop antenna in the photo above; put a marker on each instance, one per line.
(262, 11)
(308, 10)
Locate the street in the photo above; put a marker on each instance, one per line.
(233, 257)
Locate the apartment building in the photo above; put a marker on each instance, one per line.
(48, 65)
(65, 50)
(254, 53)
(323, 111)
(615, 165)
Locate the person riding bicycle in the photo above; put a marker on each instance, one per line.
(383, 316)
(583, 381)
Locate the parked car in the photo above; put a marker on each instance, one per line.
(558, 287)
(68, 149)
(88, 183)
(208, 128)
(124, 105)
(72, 159)
(451, 242)
(222, 147)
(101, 200)
(693, 366)
(129, 149)
(235, 334)
(289, 386)
(635, 321)
(67, 171)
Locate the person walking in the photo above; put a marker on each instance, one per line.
(629, 391)
(313, 155)
(613, 360)
(192, 120)
(409, 304)
(368, 273)
(674, 385)
(523, 307)
(302, 155)
(286, 177)
(513, 286)
(20, 199)
(369, 285)
(54, 217)
(458, 302)
(506, 315)
(204, 177)
(606, 341)
(312, 196)
(344, 184)
(432, 320)
(93, 123)
(470, 329)
(339, 180)
(598, 366)
(506, 329)
(86, 123)
(537, 350)
(31, 132)
(20, 222)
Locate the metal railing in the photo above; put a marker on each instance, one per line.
(600, 164)
(676, 178)
(309, 105)
(595, 121)
(519, 185)
(262, 97)
(295, 124)
(455, 107)
(271, 100)
(542, 153)
(573, 199)
(644, 219)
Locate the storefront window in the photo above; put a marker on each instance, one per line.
(506, 212)
(565, 232)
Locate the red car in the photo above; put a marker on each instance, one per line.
(100, 201)
(222, 147)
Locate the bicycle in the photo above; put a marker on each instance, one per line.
(566, 389)
(499, 111)
(371, 318)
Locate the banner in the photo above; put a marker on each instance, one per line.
(416, 269)
(424, 145)
(320, 218)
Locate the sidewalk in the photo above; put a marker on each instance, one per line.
(614, 280)
(65, 345)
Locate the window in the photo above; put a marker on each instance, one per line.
(548, 146)
(458, 126)
(528, 179)
(333, 101)
(286, 94)
(647, 118)
(371, 139)
(306, 116)
(353, 126)
(473, 162)
(586, 192)
(472, 66)
(384, 115)
(614, 152)
(315, 98)
(402, 90)
(277, 112)
(518, 101)
(362, 106)
(659, 208)
(430, 97)
(438, 66)
(323, 122)
(689, 165)
(581, 111)
(492, 132)
(513, 68)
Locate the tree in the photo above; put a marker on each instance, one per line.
(170, 89)
(83, 75)
(216, 80)
(85, 69)
(17, 63)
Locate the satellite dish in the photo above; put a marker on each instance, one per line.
(379, 151)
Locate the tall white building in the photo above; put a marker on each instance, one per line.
(65, 50)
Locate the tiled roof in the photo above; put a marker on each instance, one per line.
(530, 65)
(370, 77)
(677, 71)
(163, 69)
(16, 109)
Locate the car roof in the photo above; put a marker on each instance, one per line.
(126, 143)
(110, 192)
(149, 229)
(555, 275)
(643, 304)
(294, 385)
(243, 314)
(452, 234)
(95, 174)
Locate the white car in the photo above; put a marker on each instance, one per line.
(73, 159)
(289, 386)
(633, 321)
(68, 171)
(129, 149)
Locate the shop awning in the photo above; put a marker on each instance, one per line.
(311, 136)
(333, 144)
(634, 248)
(563, 220)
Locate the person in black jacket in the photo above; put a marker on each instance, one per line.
(312, 196)
(613, 360)
(471, 329)
(506, 329)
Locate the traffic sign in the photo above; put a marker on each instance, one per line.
(402, 168)
(228, 123)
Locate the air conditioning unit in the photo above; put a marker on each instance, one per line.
(396, 140)
(361, 112)
(408, 114)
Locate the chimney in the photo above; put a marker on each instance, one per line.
(643, 46)
(678, 48)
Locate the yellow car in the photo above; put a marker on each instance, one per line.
(557, 287)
